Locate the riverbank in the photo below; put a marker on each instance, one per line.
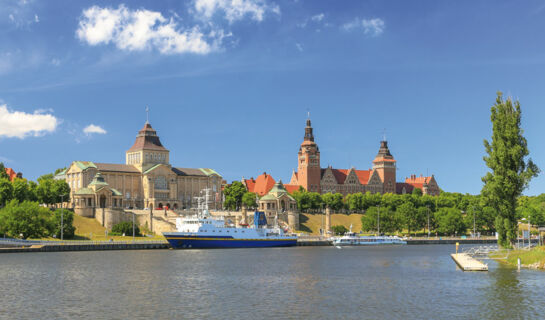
(532, 259)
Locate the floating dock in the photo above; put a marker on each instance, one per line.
(468, 263)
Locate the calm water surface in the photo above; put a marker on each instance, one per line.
(409, 282)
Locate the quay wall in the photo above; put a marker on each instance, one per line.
(87, 247)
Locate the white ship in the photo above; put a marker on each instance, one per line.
(205, 231)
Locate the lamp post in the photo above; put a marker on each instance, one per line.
(62, 217)
(378, 220)
(473, 208)
(428, 206)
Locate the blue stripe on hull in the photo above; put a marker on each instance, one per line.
(202, 244)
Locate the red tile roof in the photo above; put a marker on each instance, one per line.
(291, 187)
(363, 175)
(417, 182)
(11, 174)
(262, 185)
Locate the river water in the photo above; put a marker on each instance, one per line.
(409, 282)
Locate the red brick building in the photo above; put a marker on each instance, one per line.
(381, 178)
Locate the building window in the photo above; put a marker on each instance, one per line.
(161, 183)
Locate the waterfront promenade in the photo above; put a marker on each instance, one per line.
(16, 245)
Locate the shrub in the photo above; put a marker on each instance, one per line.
(126, 228)
(340, 229)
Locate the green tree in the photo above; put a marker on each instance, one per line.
(511, 171)
(67, 224)
(60, 188)
(233, 195)
(450, 221)
(389, 220)
(333, 201)
(6, 191)
(411, 216)
(356, 202)
(3, 173)
(26, 218)
(249, 200)
(21, 190)
(417, 192)
(126, 228)
(339, 229)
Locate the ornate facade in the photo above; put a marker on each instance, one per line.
(146, 180)
(381, 178)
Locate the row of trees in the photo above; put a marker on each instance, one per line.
(46, 191)
(28, 219)
(21, 213)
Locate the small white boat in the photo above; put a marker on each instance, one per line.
(352, 239)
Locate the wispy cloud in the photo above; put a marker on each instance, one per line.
(137, 30)
(299, 46)
(18, 124)
(90, 129)
(372, 27)
(235, 10)
(317, 18)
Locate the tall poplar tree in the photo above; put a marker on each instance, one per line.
(511, 169)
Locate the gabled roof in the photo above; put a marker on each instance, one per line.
(341, 174)
(114, 167)
(249, 184)
(11, 173)
(363, 175)
(263, 184)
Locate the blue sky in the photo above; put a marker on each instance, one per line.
(229, 83)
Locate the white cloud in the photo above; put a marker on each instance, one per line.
(372, 27)
(137, 30)
(56, 62)
(90, 129)
(36, 19)
(317, 18)
(17, 124)
(299, 46)
(235, 10)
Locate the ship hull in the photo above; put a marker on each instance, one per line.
(188, 242)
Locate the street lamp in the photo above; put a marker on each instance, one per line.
(62, 217)
(428, 206)
(378, 219)
(473, 209)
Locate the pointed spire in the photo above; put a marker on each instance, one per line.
(309, 136)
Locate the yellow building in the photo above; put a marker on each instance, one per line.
(146, 180)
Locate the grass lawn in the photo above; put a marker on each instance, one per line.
(312, 223)
(528, 257)
(90, 229)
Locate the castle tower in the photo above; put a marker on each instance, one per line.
(308, 165)
(385, 166)
(147, 149)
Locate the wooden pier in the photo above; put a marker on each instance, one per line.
(468, 263)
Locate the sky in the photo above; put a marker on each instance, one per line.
(229, 83)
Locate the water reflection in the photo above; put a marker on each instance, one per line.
(411, 282)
